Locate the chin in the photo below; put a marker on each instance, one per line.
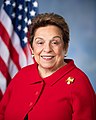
(48, 66)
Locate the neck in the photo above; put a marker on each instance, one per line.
(45, 72)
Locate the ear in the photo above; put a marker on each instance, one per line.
(31, 50)
(65, 54)
(66, 50)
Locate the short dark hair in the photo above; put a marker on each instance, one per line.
(45, 19)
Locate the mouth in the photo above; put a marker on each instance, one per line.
(45, 57)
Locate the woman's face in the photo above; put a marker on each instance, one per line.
(48, 47)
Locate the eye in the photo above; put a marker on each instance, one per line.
(55, 42)
(39, 41)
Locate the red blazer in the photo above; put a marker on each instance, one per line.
(65, 95)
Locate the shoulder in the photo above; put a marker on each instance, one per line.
(81, 82)
(82, 89)
(76, 72)
(27, 68)
(81, 78)
(25, 71)
(23, 75)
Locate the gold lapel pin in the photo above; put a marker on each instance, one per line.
(70, 80)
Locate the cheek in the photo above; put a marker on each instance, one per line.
(35, 50)
(60, 51)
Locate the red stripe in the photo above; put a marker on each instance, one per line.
(4, 70)
(25, 49)
(6, 39)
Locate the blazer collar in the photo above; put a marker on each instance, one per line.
(52, 79)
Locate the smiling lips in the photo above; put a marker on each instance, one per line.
(45, 57)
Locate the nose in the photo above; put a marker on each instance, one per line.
(47, 47)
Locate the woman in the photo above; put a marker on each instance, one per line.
(53, 88)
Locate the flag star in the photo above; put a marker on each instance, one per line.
(7, 2)
(25, 29)
(26, 20)
(35, 4)
(14, 4)
(25, 39)
(20, 17)
(32, 13)
(20, 7)
(19, 27)
(26, 9)
(13, 15)
(29, 21)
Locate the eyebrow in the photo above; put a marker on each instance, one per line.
(50, 39)
(57, 37)
(39, 38)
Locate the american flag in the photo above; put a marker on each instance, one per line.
(15, 17)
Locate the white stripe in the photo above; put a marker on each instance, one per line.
(12, 68)
(2, 83)
(4, 52)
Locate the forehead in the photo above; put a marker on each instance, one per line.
(46, 31)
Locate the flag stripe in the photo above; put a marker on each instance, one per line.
(2, 83)
(5, 55)
(5, 20)
(3, 69)
(13, 54)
